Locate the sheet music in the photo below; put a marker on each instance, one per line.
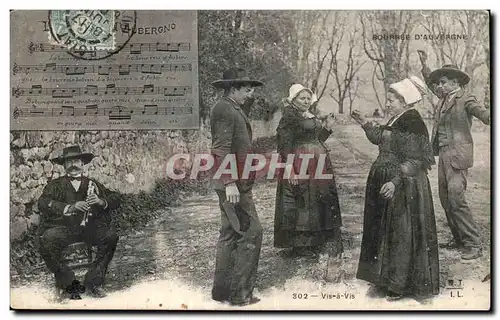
(141, 74)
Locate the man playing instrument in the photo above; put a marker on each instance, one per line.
(76, 208)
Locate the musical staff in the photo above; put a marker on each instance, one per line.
(93, 90)
(132, 48)
(107, 69)
(146, 78)
(114, 112)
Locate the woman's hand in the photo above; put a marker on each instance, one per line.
(330, 122)
(358, 117)
(387, 190)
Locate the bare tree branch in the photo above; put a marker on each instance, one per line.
(374, 88)
(364, 37)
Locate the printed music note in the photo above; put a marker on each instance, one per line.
(67, 111)
(135, 48)
(50, 66)
(169, 92)
(166, 47)
(124, 69)
(91, 109)
(76, 70)
(35, 89)
(150, 109)
(119, 116)
(62, 93)
(148, 88)
(110, 88)
(102, 70)
(151, 68)
(90, 89)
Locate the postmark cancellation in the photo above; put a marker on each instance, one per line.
(82, 30)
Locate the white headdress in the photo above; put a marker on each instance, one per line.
(411, 89)
(298, 88)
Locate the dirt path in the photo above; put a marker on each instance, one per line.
(169, 264)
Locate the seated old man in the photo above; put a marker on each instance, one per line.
(76, 208)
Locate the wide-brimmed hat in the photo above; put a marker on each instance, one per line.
(297, 88)
(73, 152)
(232, 216)
(411, 89)
(235, 76)
(450, 71)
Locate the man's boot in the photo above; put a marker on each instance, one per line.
(471, 253)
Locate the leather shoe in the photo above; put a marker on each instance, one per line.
(62, 295)
(97, 292)
(392, 296)
(451, 245)
(250, 301)
(471, 253)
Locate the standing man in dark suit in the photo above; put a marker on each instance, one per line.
(240, 239)
(452, 142)
(75, 208)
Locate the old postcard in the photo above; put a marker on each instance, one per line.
(250, 160)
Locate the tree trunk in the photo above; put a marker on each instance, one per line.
(487, 86)
(341, 107)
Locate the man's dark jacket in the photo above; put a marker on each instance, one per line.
(456, 116)
(231, 135)
(60, 192)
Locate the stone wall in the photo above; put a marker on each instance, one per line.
(126, 161)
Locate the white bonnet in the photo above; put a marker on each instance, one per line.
(411, 89)
(294, 91)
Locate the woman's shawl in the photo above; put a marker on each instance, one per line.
(410, 139)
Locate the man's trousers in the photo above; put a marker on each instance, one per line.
(237, 255)
(55, 240)
(452, 187)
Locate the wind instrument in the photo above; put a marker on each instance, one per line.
(91, 190)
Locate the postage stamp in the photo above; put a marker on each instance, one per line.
(82, 30)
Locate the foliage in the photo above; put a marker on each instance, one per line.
(252, 40)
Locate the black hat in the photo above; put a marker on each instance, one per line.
(232, 216)
(73, 152)
(450, 71)
(235, 76)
